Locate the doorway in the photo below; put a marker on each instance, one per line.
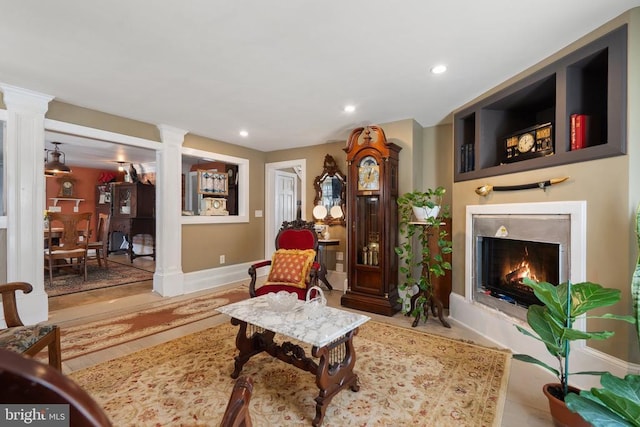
(280, 202)
(94, 162)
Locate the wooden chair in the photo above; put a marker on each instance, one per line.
(28, 382)
(72, 244)
(296, 245)
(101, 246)
(29, 340)
(237, 412)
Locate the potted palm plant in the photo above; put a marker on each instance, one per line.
(416, 289)
(617, 402)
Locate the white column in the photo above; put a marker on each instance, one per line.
(168, 279)
(25, 192)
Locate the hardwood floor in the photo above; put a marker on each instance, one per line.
(525, 405)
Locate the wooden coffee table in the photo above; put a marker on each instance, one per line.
(330, 335)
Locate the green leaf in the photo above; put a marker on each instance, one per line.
(529, 359)
(594, 413)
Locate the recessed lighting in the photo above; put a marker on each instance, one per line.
(244, 133)
(439, 69)
(349, 108)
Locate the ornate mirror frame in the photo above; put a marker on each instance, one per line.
(331, 171)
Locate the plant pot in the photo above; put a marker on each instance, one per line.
(562, 416)
(423, 212)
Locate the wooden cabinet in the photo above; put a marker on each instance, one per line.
(133, 213)
(372, 222)
(591, 81)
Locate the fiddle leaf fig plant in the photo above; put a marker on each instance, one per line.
(430, 260)
(617, 403)
(552, 322)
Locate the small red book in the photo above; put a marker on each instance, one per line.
(579, 131)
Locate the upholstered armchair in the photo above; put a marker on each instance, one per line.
(29, 340)
(293, 267)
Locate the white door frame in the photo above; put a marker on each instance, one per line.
(270, 199)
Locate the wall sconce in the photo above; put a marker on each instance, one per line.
(53, 164)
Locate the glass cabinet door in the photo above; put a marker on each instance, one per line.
(368, 229)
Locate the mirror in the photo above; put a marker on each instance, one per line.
(330, 187)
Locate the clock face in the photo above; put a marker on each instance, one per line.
(526, 142)
(368, 174)
(66, 187)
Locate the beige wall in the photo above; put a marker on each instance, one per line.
(610, 187)
(202, 244)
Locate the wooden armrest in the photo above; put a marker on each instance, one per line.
(9, 305)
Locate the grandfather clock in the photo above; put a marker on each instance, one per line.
(372, 222)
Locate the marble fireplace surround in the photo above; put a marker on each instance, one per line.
(497, 325)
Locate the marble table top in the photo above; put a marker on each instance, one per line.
(319, 329)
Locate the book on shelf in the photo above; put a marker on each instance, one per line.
(579, 131)
(466, 158)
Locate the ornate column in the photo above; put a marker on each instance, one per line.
(168, 279)
(25, 193)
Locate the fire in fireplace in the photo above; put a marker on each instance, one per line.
(506, 262)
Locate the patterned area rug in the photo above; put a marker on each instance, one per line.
(97, 277)
(406, 378)
(90, 337)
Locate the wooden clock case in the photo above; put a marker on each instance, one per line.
(372, 225)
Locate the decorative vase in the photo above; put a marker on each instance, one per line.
(562, 416)
(423, 212)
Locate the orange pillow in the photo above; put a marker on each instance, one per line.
(291, 266)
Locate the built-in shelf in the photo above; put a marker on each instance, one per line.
(591, 80)
(68, 199)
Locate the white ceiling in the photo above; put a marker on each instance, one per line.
(282, 70)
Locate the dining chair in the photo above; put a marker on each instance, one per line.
(30, 339)
(293, 267)
(27, 382)
(71, 245)
(101, 246)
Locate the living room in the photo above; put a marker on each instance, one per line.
(608, 185)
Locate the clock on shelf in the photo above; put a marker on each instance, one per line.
(536, 141)
(372, 222)
(67, 186)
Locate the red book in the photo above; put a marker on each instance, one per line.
(579, 131)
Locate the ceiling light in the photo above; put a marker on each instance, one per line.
(121, 166)
(54, 164)
(439, 69)
(349, 108)
(244, 133)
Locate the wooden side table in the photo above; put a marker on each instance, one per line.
(322, 274)
(432, 301)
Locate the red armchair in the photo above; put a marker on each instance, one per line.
(293, 267)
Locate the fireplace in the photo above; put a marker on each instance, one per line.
(510, 246)
(491, 317)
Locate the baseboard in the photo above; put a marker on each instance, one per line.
(216, 277)
(500, 329)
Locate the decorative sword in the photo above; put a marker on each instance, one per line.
(486, 189)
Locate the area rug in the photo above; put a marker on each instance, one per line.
(158, 317)
(406, 378)
(97, 277)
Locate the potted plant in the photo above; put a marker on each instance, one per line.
(415, 292)
(552, 324)
(618, 401)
